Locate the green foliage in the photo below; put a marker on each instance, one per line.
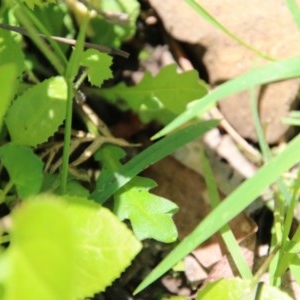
(108, 28)
(161, 97)
(150, 215)
(112, 181)
(36, 115)
(98, 66)
(24, 168)
(11, 67)
(59, 245)
(271, 72)
(103, 242)
(32, 3)
(236, 289)
(82, 239)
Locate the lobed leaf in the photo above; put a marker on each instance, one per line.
(36, 115)
(25, 169)
(274, 71)
(150, 215)
(159, 97)
(98, 66)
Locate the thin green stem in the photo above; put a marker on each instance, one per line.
(265, 265)
(81, 79)
(5, 191)
(71, 72)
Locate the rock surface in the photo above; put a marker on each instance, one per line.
(266, 25)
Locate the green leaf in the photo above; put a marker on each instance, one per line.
(161, 97)
(105, 246)
(41, 258)
(236, 289)
(51, 184)
(11, 67)
(275, 71)
(98, 65)
(25, 169)
(36, 115)
(64, 248)
(113, 31)
(112, 181)
(150, 215)
(32, 3)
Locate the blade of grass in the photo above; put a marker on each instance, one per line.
(274, 71)
(226, 233)
(113, 181)
(279, 196)
(208, 17)
(236, 202)
(263, 145)
(294, 10)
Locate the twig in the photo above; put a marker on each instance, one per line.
(72, 42)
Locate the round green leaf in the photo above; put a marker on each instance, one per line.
(41, 255)
(105, 246)
(36, 115)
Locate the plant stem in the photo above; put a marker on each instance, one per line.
(5, 191)
(71, 72)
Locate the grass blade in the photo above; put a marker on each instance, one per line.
(208, 17)
(226, 232)
(164, 147)
(228, 209)
(294, 10)
(288, 68)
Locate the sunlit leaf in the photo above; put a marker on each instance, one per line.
(64, 248)
(105, 246)
(274, 71)
(98, 66)
(160, 97)
(150, 215)
(41, 257)
(36, 115)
